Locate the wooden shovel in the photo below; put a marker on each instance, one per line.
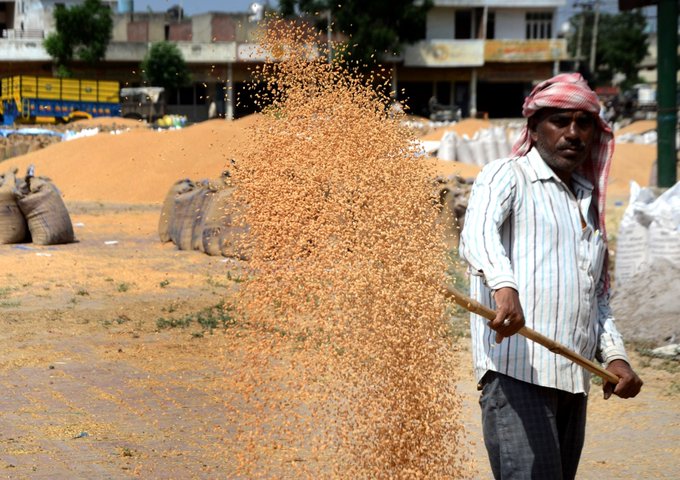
(555, 347)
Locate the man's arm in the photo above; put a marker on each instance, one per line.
(629, 383)
(490, 204)
(613, 353)
(509, 314)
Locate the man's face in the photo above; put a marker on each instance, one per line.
(564, 138)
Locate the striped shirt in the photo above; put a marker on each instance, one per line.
(524, 229)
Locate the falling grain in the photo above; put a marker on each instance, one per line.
(347, 260)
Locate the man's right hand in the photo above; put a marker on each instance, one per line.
(509, 315)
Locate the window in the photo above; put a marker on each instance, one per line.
(490, 25)
(186, 95)
(539, 25)
(463, 24)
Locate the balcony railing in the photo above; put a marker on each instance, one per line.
(13, 33)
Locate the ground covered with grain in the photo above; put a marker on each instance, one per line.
(331, 353)
(117, 365)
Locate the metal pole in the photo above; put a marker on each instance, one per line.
(473, 93)
(229, 114)
(328, 36)
(667, 115)
(485, 20)
(593, 40)
(395, 92)
(579, 40)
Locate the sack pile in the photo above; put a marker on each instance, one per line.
(649, 233)
(32, 210)
(486, 145)
(204, 216)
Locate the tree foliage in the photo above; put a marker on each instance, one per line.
(376, 29)
(622, 43)
(82, 31)
(164, 66)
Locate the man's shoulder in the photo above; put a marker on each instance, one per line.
(499, 168)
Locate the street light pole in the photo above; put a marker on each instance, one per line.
(579, 38)
(593, 39)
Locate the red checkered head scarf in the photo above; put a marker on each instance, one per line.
(570, 91)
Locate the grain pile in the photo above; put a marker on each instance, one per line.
(137, 166)
(631, 161)
(346, 265)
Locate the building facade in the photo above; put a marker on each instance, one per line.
(482, 55)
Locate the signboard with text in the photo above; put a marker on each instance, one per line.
(445, 53)
(525, 50)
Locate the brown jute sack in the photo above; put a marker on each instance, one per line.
(218, 216)
(187, 213)
(48, 219)
(234, 239)
(168, 208)
(201, 206)
(13, 227)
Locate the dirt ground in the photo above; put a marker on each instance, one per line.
(97, 386)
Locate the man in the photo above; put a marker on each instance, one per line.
(535, 240)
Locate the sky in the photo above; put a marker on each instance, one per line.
(193, 7)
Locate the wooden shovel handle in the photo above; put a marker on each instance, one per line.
(555, 347)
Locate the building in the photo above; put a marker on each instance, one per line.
(32, 18)
(482, 55)
(218, 47)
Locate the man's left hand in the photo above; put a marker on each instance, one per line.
(629, 383)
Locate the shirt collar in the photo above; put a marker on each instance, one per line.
(541, 171)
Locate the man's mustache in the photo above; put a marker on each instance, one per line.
(578, 146)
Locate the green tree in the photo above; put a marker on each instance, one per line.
(82, 31)
(622, 43)
(376, 29)
(164, 66)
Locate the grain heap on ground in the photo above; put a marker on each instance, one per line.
(347, 263)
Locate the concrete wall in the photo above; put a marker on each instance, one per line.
(510, 24)
(157, 29)
(440, 23)
(201, 28)
(180, 32)
(23, 50)
(119, 31)
(191, 51)
(223, 28)
(137, 32)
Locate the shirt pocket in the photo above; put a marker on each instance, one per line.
(598, 251)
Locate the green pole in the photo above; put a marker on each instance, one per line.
(667, 116)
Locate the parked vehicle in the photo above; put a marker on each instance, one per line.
(640, 102)
(32, 99)
(443, 113)
(143, 103)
